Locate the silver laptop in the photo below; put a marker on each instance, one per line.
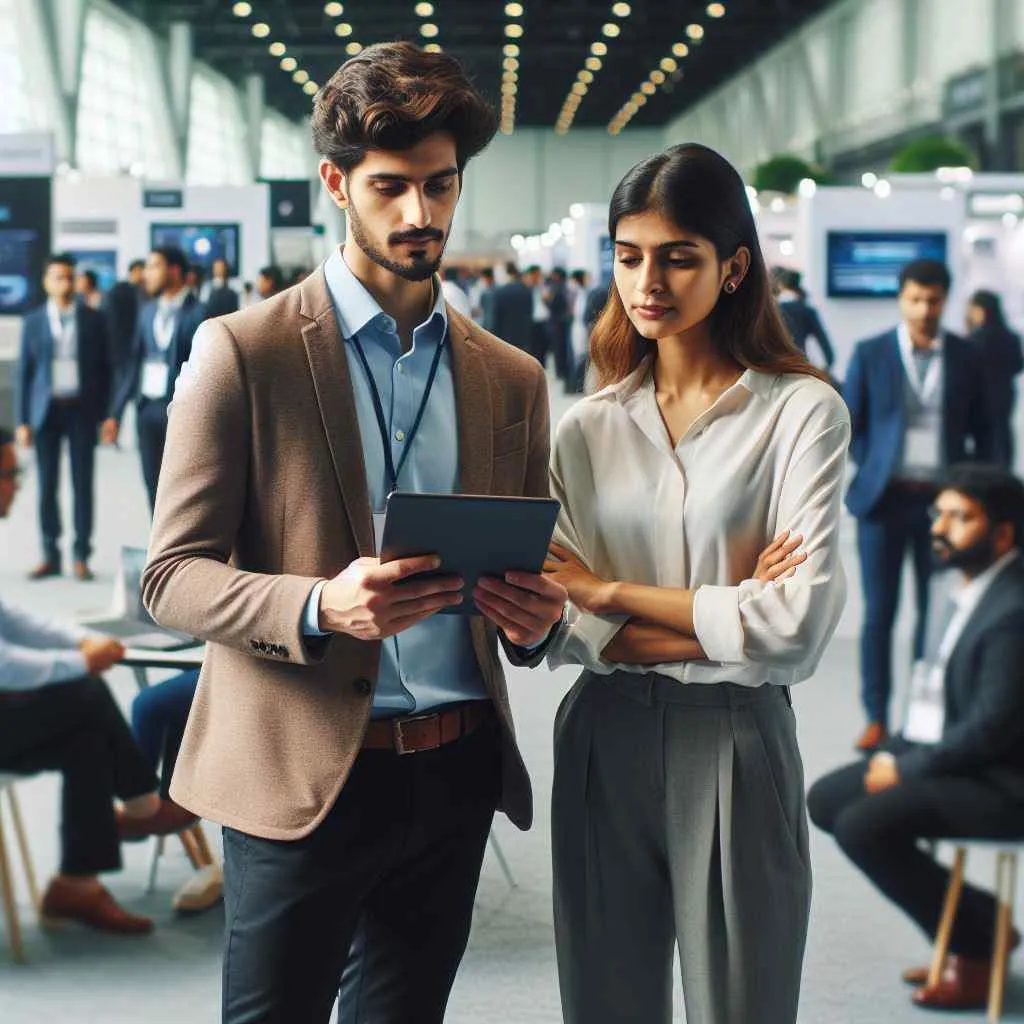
(129, 621)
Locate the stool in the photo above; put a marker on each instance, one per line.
(1006, 851)
(6, 878)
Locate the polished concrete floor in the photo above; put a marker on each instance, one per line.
(857, 946)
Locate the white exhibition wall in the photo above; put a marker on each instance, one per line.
(107, 213)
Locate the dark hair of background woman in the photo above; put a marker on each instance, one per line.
(991, 305)
(702, 193)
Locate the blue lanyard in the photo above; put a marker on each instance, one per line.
(392, 471)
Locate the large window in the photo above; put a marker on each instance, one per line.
(217, 153)
(286, 148)
(21, 104)
(119, 104)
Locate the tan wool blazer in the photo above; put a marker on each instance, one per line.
(262, 494)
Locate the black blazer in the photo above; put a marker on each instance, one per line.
(999, 352)
(983, 735)
(513, 315)
(802, 322)
(221, 301)
(35, 366)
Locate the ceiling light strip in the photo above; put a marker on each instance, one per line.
(429, 30)
(591, 66)
(514, 32)
(666, 74)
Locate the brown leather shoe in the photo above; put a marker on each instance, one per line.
(45, 570)
(871, 738)
(918, 976)
(169, 819)
(94, 908)
(83, 572)
(963, 986)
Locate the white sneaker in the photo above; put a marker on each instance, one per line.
(202, 891)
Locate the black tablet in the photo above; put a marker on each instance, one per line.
(473, 535)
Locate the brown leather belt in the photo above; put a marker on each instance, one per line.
(415, 733)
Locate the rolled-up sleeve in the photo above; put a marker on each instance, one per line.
(788, 623)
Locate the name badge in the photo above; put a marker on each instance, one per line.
(155, 374)
(65, 377)
(921, 448)
(926, 712)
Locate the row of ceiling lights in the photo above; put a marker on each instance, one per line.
(666, 72)
(593, 63)
(428, 29)
(510, 66)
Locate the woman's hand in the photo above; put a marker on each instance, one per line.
(588, 592)
(779, 560)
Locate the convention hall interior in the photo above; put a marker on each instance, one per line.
(159, 182)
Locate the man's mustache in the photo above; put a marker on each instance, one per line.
(943, 545)
(430, 235)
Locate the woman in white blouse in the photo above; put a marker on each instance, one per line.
(678, 809)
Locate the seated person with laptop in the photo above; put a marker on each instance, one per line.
(957, 772)
(56, 714)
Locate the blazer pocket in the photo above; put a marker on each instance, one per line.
(509, 439)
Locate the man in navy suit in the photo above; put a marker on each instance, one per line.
(916, 399)
(163, 342)
(64, 378)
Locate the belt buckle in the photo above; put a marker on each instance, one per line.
(398, 726)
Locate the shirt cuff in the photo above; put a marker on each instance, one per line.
(311, 618)
(717, 625)
(72, 666)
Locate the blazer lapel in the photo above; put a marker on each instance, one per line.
(333, 386)
(472, 408)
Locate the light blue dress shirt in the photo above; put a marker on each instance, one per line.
(35, 652)
(432, 663)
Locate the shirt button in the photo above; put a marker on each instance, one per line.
(361, 686)
(399, 435)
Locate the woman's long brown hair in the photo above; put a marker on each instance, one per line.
(700, 191)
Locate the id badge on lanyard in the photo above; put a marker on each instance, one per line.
(926, 711)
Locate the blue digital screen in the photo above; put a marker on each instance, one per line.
(201, 243)
(867, 264)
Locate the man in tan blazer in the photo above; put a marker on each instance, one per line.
(353, 743)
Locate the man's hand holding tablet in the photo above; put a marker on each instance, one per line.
(371, 601)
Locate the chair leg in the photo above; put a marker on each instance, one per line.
(1006, 887)
(154, 864)
(26, 856)
(191, 849)
(942, 936)
(202, 845)
(10, 907)
(500, 854)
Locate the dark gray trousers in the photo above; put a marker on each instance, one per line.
(678, 816)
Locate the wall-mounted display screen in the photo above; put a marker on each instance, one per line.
(102, 262)
(867, 264)
(201, 243)
(24, 242)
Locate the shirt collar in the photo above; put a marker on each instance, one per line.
(754, 381)
(175, 302)
(53, 312)
(903, 332)
(356, 309)
(971, 593)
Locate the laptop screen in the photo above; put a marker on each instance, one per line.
(133, 561)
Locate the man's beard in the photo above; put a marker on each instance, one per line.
(971, 560)
(419, 267)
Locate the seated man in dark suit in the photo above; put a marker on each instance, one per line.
(958, 770)
(63, 387)
(917, 405)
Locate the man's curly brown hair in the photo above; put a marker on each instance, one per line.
(392, 96)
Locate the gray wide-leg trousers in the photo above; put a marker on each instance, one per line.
(678, 816)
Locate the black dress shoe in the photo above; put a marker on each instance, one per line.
(45, 570)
